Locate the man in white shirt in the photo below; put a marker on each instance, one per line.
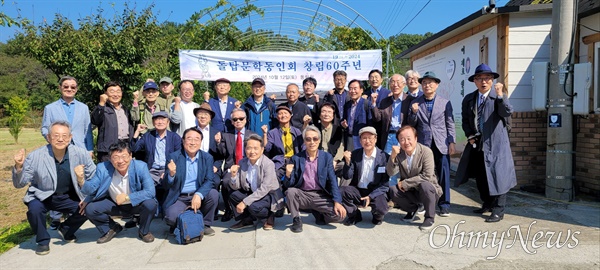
(182, 109)
(109, 193)
(370, 183)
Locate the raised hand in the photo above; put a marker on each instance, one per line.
(265, 129)
(176, 100)
(344, 123)
(415, 107)
(103, 99)
(499, 87)
(80, 173)
(347, 156)
(218, 137)
(206, 95)
(395, 151)
(331, 92)
(234, 170)
(237, 104)
(289, 168)
(19, 159)
(172, 168)
(374, 98)
(136, 95)
(306, 119)
(316, 97)
(141, 127)
(273, 97)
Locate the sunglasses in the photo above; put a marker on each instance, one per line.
(238, 119)
(311, 139)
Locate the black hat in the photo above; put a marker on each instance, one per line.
(258, 80)
(483, 69)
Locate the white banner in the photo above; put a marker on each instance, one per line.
(278, 69)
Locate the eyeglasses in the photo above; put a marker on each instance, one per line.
(238, 119)
(481, 79)
(118, 158)
(70, 87)
(311, 139)
(57, 137)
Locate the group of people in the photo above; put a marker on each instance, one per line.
(353, 148)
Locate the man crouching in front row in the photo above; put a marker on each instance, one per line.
(121, 186)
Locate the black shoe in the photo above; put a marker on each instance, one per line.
(279, 212)
(244, 223)
(297, 225)
(227, 216)
(208, 231)
(444, 212)
(42, 250)
(494, 218)
(63, 233)
(54, 224)
(134, 222)
(355, 218)
(376, 221)
(148, 238)
(409, 217)
(482, 210)
(117, 228)
(427, 224)
(319, 218)
(171, 230)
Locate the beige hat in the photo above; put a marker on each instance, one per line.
(367, 129)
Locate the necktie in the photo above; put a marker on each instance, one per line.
(480, 113)
(288, 145)
(238, 148)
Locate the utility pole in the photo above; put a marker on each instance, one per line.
(559, 155)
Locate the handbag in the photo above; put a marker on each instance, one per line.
(190, 227)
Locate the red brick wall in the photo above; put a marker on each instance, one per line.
(587, 168)
(528, 144)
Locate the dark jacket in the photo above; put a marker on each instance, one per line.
(337, 137)
(263, 116)
(382, 116)
(147, 144)
(380, 184)
(206, 177)
(274, 148)
(105, 118)
(326, 178)
(222, 122)
(227, 147)
(362, 115)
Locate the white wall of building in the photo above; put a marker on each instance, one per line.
(528, 42)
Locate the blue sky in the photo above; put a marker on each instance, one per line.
(384, 18)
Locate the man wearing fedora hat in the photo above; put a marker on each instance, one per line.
(204, 115)
(487, 156)
(223, 105)
(432, 117)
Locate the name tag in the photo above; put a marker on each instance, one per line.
(381, 170)
(310, 106)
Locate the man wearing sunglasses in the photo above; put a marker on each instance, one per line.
(311, 183)
(231, 147)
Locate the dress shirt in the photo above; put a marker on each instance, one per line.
(160, 160)
(310, 174)
(223, 106)
(396, 110)
(486, 94)
(69, 109)
(205, 138)
(252, 177)
(122, 124)
(367, 169)
(119, 185)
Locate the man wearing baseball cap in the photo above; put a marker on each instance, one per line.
(370, 183)
(142, 113)
(166, 90)
(259, 108)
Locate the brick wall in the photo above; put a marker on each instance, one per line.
(528, 144)
(587, 168)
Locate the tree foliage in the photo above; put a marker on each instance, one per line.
(16, 109)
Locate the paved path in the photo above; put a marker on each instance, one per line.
(569, 238)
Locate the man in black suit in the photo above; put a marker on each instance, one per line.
(338, 95)
(231, 146)
(370, 182)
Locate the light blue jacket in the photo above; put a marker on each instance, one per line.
(81, 128)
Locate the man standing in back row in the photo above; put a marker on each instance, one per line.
(487, 156)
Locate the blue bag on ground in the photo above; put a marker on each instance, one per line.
(190, 227)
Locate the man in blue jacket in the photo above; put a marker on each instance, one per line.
(312, 185)
(191, 182)
(223, 105)
(121, 186)
(259, 109)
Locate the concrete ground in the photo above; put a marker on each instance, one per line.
(535, 233)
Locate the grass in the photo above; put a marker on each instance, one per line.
(14, 235)
(13, 220)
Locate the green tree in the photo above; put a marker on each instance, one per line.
(5, 20)
(16, 108)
